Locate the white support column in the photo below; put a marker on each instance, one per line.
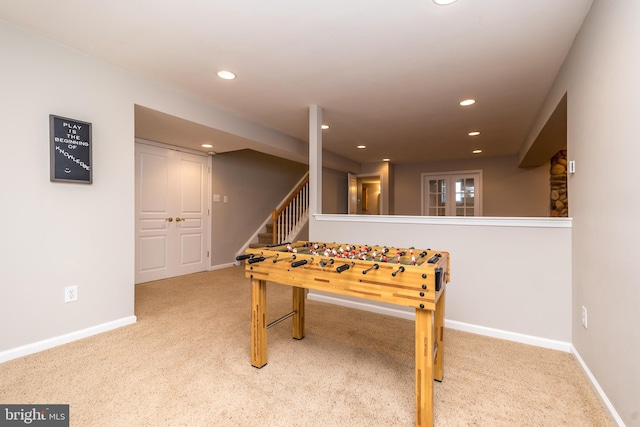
(315, 160)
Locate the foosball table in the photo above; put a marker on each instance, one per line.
(408, 277)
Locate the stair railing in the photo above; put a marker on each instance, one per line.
(292, 214)
(269, 219)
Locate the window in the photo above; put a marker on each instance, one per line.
(452, 194)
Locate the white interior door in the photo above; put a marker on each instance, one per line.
(172, 215)
(452, 194)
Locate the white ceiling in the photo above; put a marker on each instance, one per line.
(388, 74)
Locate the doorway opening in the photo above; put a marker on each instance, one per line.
(364, 194)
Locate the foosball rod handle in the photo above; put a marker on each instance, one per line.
(273, 245)
(373, 267)
(400, 270)
(299, 263)
(343, 267)
(243, 257)
(434, 258)
(324, 264)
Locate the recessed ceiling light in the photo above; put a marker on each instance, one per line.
(386, 160)
(443, 2)
(467, 102)
(207, 145)
(477, 151)
(325, 126)
(227, 75)
(474, 133)
(361, 146)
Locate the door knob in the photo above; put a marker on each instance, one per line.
(169, 219)
(178, 219)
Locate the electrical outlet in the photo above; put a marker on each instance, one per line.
(584, 316)
(70, 294)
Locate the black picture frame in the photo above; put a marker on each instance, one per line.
(70, 150)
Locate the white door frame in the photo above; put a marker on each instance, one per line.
(207, 191)
(352, 192)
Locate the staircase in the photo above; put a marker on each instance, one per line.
(292, 214)
(265, 238)
(286, 221)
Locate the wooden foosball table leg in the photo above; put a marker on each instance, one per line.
(299, 296)
(424, 368)
(438, 372)
(258, 323)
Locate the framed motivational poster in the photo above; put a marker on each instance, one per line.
(70, 148)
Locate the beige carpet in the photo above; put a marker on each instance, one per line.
(186, 363)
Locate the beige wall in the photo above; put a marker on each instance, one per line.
(334, 192)
(600, 77)
(60, 234)
(508, 191)
(506, 280)
(254, 184)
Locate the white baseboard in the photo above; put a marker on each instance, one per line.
(221, 266)
(36, 347)
(466, 327)
(509, 336)
(361, 305)
(597, 387)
